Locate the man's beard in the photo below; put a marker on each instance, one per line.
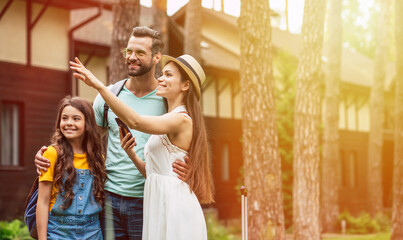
(143, 69)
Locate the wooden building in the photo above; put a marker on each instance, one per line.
(220, 100)
(35, 44)
(34, 76)
(222, 109)
(221, 91)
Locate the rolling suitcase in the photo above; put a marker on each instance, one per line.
(244, 203)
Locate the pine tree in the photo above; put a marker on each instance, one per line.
(160, 21)
(375, 191)
(397, 219)
(330, 157)
(126, 16)
(261, 156)
(306, 125)
(193, 24)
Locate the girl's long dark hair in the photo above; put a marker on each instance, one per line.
(200, 179)
(92, 146)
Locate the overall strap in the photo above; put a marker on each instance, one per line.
(115, 89)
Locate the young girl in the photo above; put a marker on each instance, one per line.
(71, 192)
(171, 207)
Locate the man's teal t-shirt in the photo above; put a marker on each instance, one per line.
(123, 177)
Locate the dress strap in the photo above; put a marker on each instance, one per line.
(186, 114)
(182, 110)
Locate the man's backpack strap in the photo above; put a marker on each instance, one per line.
(115, 89)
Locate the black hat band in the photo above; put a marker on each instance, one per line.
(190, 67)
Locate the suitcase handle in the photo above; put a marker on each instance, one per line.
(244, 200)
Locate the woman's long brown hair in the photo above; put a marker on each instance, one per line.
(92, 146)
(200, 179)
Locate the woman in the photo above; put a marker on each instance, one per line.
(171, 207)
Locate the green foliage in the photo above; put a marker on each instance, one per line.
(365, 224)
(360, 20)
(360, 23)
(285, 67)
(379, 236)
(384, 221)
(13, 230)
(217, 231)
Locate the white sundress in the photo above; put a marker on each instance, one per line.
(171, 210)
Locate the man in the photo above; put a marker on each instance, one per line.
(125, 185)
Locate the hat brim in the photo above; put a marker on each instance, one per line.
(166, 59)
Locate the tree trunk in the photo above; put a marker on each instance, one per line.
(193, 25)
(126, 15)
(306, 125)
(330, 157)
(160, 23)
(262, 161)
(397, 219)
(286, 16)
(160, 20)
(374, 174)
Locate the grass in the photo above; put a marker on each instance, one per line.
(378, 236)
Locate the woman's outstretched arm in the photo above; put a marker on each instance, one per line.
(165, 124)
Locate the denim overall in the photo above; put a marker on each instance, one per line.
(81, 219)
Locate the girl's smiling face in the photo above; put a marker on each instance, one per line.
(170, 83)
(72, 124)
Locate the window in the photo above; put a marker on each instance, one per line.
(349, 168)
(225, 162)
(10, 134)
(352, 161)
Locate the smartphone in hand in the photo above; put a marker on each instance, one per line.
(125, 128)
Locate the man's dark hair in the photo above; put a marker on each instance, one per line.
(157, 45)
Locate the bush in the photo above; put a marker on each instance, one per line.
(14, 230)
(384, 222)
(217, 231)
(364, 223)
(378, 236)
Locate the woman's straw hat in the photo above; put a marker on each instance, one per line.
(191, 67)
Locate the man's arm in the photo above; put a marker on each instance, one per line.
(41, 163)
(182, 169)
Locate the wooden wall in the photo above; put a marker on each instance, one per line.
(353, 146)
(38, 92)
(220, 132)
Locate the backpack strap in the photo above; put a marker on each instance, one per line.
(115, 89)
(30, 209)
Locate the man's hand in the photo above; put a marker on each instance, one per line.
(182, 169)
(41, 163)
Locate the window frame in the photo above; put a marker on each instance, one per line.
(349, 168)
(222, 167)
(21, 130)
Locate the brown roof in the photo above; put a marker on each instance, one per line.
(76, 4)
(356, 68)
(99, 31)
